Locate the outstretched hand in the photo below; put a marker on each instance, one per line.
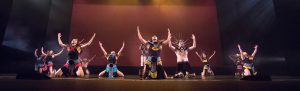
(59, 35)
(169, 34)
(138, 29)
(94, 35)
(100, 43)
(193, 36)
(256, 46)
(239, 45)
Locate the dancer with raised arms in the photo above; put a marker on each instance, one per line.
(249, 61)
(111, 70)
(73, 66)
(181, 51)
(206, 71)
(49, 56)
(153, 68)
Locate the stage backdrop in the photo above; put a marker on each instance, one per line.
(115, 21)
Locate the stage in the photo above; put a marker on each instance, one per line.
(132, 83)
(221, 35)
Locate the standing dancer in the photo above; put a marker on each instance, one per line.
(154, 69)
(238, 63)
(85, 62)
(207, 71)
(111, 70)
(249, 61)
(49, 56)
(181, 51)
(39, 64)
(73, 66)
(144, 53)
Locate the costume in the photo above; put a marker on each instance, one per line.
(249, 66)
(207, 71)
(154, 69)
(72, 65)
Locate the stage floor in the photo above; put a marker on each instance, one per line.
(132, 83)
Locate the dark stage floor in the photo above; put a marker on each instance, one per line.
(132, 83)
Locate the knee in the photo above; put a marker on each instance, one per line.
(121, 75)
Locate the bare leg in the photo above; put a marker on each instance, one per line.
(58, 73)
(187, 75)
(40, 70)
(212, 73)
(120, 73)
(87, 73)
(144, 69)
(80, 72)
(203, 72)
(50, 69)
(165, 74)
(51, 72)
(101, 73)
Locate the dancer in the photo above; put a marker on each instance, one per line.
(73, 66)
(239, 65)
(144, 53)
(153, 68)
(39, 64)
(249, 61)
(49, 56)
(181, 51)
(207, 71)
(85, 62)
(111, 70)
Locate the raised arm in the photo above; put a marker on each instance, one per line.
(199, 55)
(35, 53)
(43, 53)
(62, 49)
(241, 51)
(140, 36)
(60, 41)
(212, 55)
(171, 46)
(169, 37)
(120, 51)
(88, 43)
(194, 43)
(103, 50)
(255, 51)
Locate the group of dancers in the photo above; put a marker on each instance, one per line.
(151, 66)
(244, 62)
